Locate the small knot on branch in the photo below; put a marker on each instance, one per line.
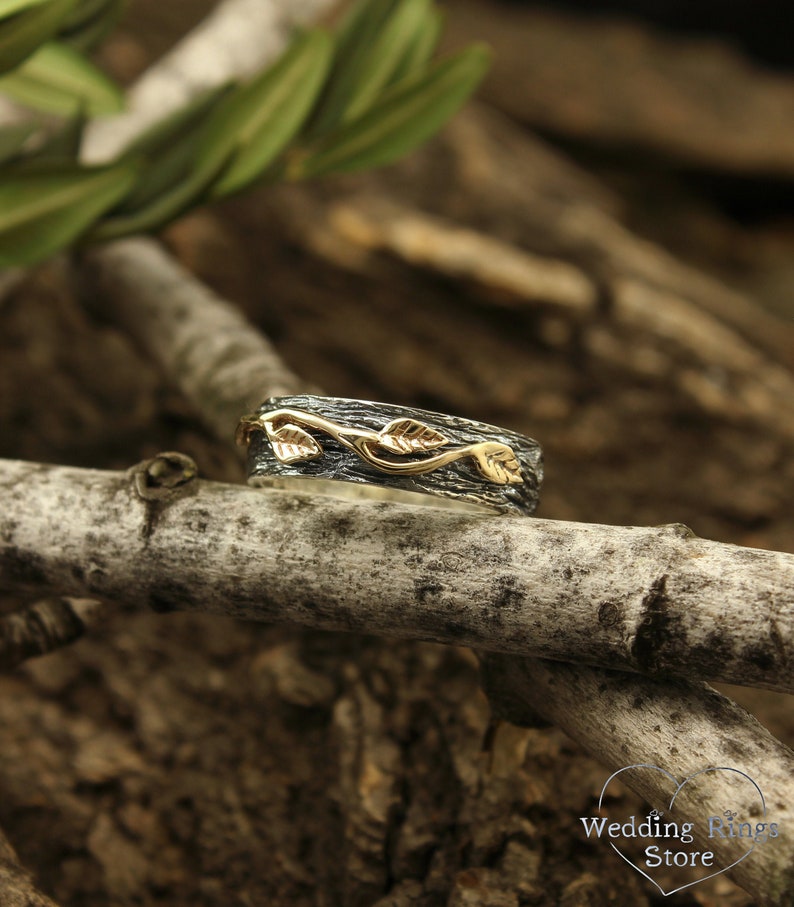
(680, 530)
(165, 476)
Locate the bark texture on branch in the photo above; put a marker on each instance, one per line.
(687, 725)
(205, 346)
(654, 600)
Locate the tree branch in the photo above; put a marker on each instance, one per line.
(655, 600)
(205, 346)
(375, 222)
(157, 536)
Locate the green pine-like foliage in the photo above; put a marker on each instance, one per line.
(360, 97)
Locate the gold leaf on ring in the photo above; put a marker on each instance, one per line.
(245, 426)
(292, 444)
(497, 463)
(404, 436)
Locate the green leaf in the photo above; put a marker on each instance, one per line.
(407, 115)
(359, 30)
(10, 7)
(85, 11)
(23, 32)
(162, 134)
(423, 47)
(168, 150)
(384, 55)
(260, 118)
(245, 131)
(41, 213)
(13, 139)
(362, 21)
(58, 80)
(161, 208)
(63, 146)
(89, 24)
(54, 151)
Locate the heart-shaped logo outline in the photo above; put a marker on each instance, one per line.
(703, 771)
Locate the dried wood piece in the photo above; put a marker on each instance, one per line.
(665, 335)
(516, 275)
(370, 772)
(655, 600)
(44, 627)
(543, 200)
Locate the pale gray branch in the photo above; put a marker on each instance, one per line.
(655, 600)
(205, 346)
(159, 537)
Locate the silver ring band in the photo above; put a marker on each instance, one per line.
(395, 448)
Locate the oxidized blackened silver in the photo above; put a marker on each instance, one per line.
(383, 446)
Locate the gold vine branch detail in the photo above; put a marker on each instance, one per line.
(410, 440)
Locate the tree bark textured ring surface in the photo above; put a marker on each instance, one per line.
(382, 447)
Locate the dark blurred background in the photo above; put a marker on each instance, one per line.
(762, 28)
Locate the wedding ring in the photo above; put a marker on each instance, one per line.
(390, 451)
